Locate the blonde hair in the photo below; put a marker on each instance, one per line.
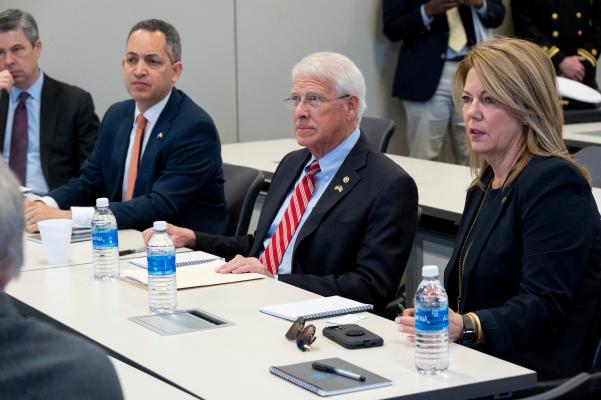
(520, 76)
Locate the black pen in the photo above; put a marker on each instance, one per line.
(333, 370)
(131, 251)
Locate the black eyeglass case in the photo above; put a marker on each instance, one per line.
(352, 336)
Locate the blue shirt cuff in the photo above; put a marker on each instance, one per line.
(482, 10)
(427, 20)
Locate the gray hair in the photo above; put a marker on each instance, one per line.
(13, 19)
(12, 223)
(339, 69)
(174, 44)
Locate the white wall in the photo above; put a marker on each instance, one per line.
(237, 54)
(84, 41)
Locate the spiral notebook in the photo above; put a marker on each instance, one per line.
(325, 383)
(77, 235)
(316, 308)
(182, 259)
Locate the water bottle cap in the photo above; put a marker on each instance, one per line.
(159, 225)
(429, 271)
(102, 202)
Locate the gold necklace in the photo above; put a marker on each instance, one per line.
(465, 248)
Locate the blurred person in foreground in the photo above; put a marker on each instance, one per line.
(524, 277)
(40, 361)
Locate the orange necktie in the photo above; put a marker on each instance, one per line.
(135, 156)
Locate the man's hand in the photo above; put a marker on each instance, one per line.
(6, 81)
(181, 237)
(571, 67)
(36, 211)
(434, 7)
(241, 265)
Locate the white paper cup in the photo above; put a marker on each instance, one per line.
(56, 237)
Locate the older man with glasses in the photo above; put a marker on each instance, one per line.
(339, 218)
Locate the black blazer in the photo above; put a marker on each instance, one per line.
(424, 51)
(42, 362)
(356, 242)
(68, 129)
(562, 28)
(533, 278)
(180, 178)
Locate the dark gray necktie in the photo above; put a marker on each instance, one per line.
(18, 140)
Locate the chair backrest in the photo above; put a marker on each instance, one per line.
(378, 132)
(590, 157)
(575, 387)
(242, 186)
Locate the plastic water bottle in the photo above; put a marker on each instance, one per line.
(431, 324)
(105, 242)
(162, 284)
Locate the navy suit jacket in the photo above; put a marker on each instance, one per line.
(180, 178)
(41, 362)
(533, 278)
(424, 51)
(356, 242)
(68, 129)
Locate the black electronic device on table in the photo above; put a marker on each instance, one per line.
(352, 336)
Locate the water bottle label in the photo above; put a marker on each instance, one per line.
(161, 265)
(105, 238)
(431, 320)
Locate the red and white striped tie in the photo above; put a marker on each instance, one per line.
(272, 257)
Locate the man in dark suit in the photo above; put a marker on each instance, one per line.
(46, 141)
(570, 33)
(39, 361)
(339, 218)
(157, 156)
(436, 34)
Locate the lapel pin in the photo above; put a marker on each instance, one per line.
(160, 135)
(346, 179)
(338, 188)
(503, 199)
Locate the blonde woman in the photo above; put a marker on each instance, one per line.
(523, 280)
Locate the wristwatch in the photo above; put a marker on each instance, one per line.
(468, 336)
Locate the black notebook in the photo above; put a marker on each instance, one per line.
(326, 383)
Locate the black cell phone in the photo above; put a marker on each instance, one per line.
(352, 336)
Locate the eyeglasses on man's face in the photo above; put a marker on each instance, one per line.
(312, 100)
(304, 335)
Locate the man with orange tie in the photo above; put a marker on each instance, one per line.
(339, 218)
(157, 156)
(436, 35)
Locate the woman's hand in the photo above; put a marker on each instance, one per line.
(406, 324)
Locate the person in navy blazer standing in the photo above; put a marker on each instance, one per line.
(356, 234)
(180, 177)
(426, 65)
(525, 275)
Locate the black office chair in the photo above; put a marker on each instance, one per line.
(378, 132)
(242, 186)
(395, 307)
(581, 386)
(590, 157)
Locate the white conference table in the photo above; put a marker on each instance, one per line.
(582, 135)
(441, 186)
(136, 384)
(234, 361)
